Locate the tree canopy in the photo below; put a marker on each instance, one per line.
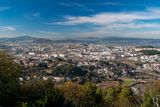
(9, 86)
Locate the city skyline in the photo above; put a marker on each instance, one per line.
(79, 19)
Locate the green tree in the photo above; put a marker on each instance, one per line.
(93, 95)
(109, 96)
(126, 98)
(9, 86)
(41, 94)
(147, 101)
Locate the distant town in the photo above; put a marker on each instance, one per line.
(99, 63)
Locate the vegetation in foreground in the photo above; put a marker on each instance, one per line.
(47, 94)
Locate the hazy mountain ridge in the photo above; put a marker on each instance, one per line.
(96, 40)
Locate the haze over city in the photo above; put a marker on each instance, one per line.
(59, 19)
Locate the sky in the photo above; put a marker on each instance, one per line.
(59, 19)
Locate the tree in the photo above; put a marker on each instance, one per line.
(109, 96)
(147, 101)
(152, 89)
(73, 93)
(9, 86)
(87, 95)
(41, 94)
(93, 95)
(126, 98)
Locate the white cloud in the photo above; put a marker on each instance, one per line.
(119, 33)
(111, 4)
(133, 26)
(36, 14)
(71, 4)
(49, 32)
(76, 5)
(7, 28)
(4, 8)
(133, 23)
(111, 17)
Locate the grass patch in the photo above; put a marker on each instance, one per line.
(128, 82)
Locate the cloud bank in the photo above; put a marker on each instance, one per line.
(7, 28)
(133, 23)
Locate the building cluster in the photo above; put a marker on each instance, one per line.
(34, 54)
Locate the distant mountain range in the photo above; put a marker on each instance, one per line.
(95, 40)
(17, 39)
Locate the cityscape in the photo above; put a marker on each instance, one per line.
(79, 53)
(103, 64)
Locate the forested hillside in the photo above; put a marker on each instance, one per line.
(14, 93)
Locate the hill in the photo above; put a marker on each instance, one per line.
(95, 40)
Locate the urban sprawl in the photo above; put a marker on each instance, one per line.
(99, 63)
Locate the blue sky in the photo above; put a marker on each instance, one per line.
(58, 19)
